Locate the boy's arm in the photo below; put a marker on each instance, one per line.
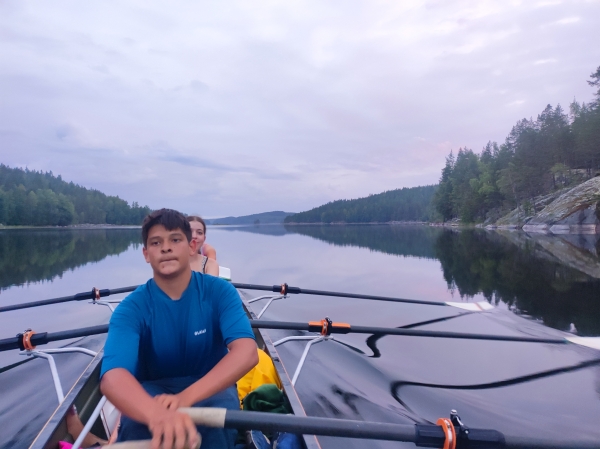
(240, 359)
(121, 387)
(238, 336)
(126, 393)
(242, 355)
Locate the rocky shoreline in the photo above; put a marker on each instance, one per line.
(571, 211)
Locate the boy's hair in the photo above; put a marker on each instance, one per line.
(198, 219)
(170, 219)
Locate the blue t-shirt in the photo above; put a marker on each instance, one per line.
(154, 337)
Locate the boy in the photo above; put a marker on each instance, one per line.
(180, 340)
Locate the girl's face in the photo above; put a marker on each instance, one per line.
(198, 233)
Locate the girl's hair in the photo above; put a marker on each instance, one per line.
(198, 219)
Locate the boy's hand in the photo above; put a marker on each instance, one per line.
(173, 401)
(172, 430)
(168, 401)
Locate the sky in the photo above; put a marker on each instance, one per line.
(235, 107)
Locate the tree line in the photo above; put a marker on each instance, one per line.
(32, 198)
(556, 150)
(407, 204)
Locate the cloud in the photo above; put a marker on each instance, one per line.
(568, 20)
(198, 86)
(266, 106)
(193, 161)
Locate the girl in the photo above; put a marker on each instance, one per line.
(205, 261)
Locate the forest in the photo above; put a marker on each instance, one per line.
(32, 198)
(558, 149)
(407, 204)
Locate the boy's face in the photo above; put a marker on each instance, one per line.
(168, 252)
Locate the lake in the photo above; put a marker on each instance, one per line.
(530, 279)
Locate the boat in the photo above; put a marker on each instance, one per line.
(86, 396)
(102, 417)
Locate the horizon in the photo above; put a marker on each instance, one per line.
(229, 110)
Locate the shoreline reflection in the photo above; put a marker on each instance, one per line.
(555, 279)
(28, 256)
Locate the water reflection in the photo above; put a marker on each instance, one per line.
(533, 274)
(267, 229)
(413, 241)
(364, 377)
(28, 256)
(552, 278)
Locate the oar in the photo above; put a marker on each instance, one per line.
(42, 338)
(283, 289)
(344, 328)
(421, 434)
(326, 327)
(286, 289)
(95, 293)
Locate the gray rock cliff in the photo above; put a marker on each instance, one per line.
(574, 212)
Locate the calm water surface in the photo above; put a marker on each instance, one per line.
(530, 279)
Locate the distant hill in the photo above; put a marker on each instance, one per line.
(407, 204)
(263, 218)
(32, 198)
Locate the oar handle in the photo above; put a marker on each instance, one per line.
(206, 416)
(143, 444)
